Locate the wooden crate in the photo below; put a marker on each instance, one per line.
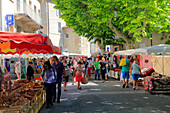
(32, 106)
(12, 109)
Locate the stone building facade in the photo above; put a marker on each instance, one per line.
(72, 42)
(54, 25)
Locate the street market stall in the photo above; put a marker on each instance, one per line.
(155, 62)
(26, 96)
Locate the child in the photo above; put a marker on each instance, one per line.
(67, 74)
(79, 71)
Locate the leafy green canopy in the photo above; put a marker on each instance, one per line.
(130, 19)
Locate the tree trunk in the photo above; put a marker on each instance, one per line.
(121, 35)
(101, 45)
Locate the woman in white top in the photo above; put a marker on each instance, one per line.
(89, 67)
(18, 68)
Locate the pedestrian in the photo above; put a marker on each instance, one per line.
(18, 69)
(103, 69)
(125, 73)
(74, 65)
(30, 71)
(89, 67)
(107, 67)
(50, 77)
(79, 72)
(67, 74)
(86, 65)
(97, 69)
(60, 72)
(7, 65)
(135, 71)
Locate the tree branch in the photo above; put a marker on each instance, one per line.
(121, 35)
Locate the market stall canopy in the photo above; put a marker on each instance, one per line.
(125, 52)
(162, 49)
(12, 43)
(23, 37)
(25, 47)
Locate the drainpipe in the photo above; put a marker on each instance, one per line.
(151, 40)
(48, 19)
(1, 15)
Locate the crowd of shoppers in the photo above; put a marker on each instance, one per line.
(56, 71)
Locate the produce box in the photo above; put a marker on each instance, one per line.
(27, 97)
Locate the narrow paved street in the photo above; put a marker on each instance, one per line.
(109, 97)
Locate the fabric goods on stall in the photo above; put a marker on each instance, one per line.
(156, 84)
(161, 65)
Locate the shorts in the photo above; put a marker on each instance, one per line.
(135, 76)
(66, 78)
(125, 75)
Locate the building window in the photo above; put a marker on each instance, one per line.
(35, 8)
(59, 26)
(67, 36)
(30, 3)
(18, 5)
(58, 12)
(38, 11)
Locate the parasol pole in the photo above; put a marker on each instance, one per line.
(163, 53)
(143, 60)
(1, 60)
(20, 65)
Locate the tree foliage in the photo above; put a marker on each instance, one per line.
(131, 20)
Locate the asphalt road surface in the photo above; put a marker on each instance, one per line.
(108, 97)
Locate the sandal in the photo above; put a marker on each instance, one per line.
(79, 88)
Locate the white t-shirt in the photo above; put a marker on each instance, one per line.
(89, 63)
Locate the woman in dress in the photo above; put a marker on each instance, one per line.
(79, 72)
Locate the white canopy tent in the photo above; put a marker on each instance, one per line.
(125, 52)
(162, 49)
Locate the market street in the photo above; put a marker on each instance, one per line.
(108, 97)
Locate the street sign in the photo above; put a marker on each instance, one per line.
(10, 19)
(108, 48)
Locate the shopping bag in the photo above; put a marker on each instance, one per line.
(122, 62)
(84, 80)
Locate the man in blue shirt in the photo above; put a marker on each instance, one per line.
(85, 64)
(60, 72)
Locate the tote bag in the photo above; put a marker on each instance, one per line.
(122, 62)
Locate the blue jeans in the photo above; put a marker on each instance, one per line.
(97, 71)
(86, 69)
